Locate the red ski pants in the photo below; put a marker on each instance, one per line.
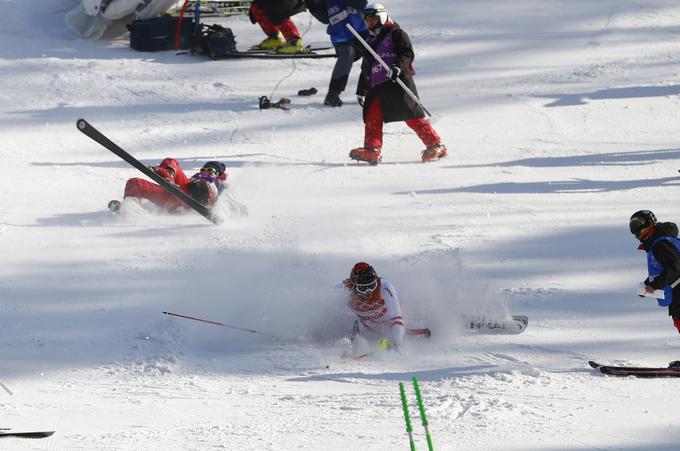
(676, 323)
(373, 128)
(287, 27)
(145, 189)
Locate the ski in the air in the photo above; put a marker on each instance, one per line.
(516, 324)
(33, 434)
(636, 371)
(97, 136)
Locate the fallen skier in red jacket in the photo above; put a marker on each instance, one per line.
(204, 186)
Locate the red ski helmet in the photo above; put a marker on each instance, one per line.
(364, 279)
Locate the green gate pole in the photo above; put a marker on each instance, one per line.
(423, 417)
(404, 405)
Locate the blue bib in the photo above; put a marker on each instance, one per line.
(654, 268)
(339, 15)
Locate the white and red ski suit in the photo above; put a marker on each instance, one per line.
(379, 315)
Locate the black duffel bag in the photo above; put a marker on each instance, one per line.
(217, 41)
(159, 33)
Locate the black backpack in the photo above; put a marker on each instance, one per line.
(217, 41)
(159, 33)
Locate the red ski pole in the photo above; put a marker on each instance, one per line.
(178, 30)
(220, 324)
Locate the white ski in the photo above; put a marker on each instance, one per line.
(512, 325)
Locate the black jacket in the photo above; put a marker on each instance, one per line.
(667, 254)
(396, 104)
(279, 10)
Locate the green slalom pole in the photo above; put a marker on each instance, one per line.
(404, 405)
(423, 417)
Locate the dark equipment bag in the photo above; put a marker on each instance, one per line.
(153, 35)
(217, 41)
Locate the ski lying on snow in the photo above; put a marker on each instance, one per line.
(306, 49)
(94, 134)
(266, 55)
(626, 368)
(636, 371)
(513, 325)
(34, 434)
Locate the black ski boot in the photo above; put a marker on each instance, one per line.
(674, 364)
(335, 88)
(332, 99)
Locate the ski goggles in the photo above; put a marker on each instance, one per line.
(374, 12)
(363, 288)
(209, 170)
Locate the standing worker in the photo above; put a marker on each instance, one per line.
(337, 14)
(660, 241)
(383, 100)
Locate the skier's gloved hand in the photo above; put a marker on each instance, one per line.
(385, 345)
(648, 285)
(395, 73)
(361, 100)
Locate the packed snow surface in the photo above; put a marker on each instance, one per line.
(561, 119)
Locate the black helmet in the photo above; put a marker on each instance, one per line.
(640, 221)
(217, 167)
(364, 278)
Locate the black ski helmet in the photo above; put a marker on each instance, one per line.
(217, 166)
(640, 221)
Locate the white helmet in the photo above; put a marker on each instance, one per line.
(376, 9)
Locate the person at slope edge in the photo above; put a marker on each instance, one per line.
(204, 186)
(337, 14)
(660, 241)
(374, 301)
(383, 100)
(273, 16)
